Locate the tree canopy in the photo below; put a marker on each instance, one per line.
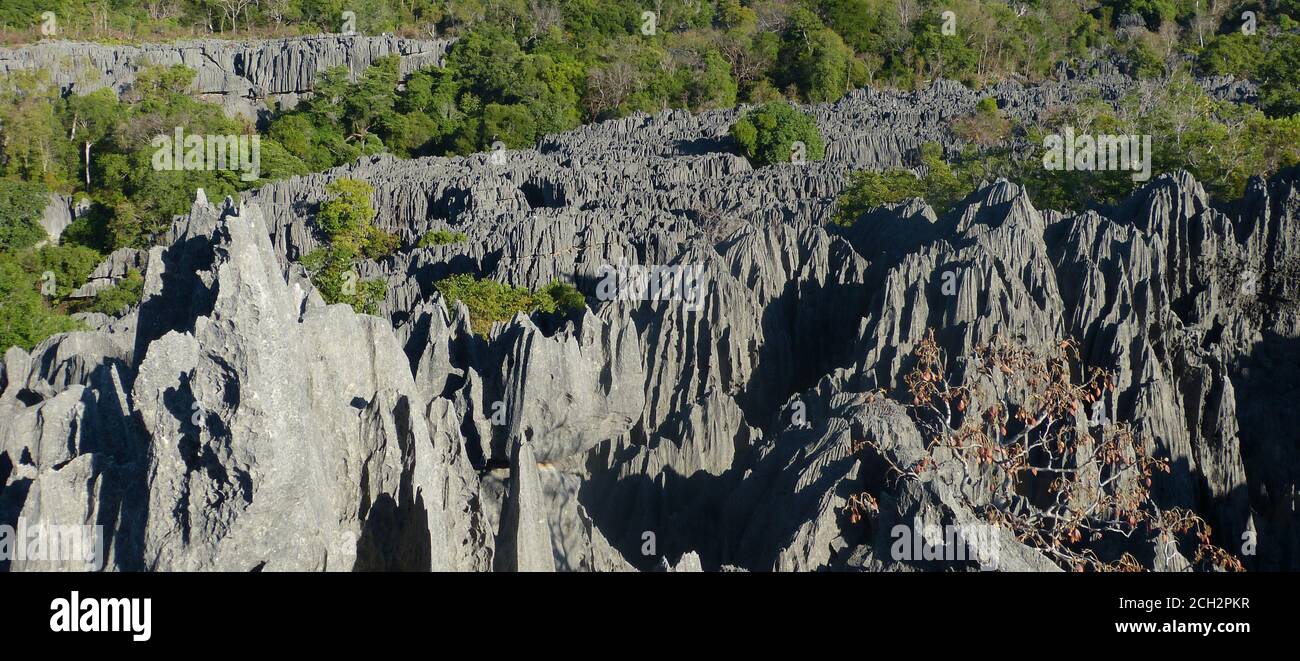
(777, 132)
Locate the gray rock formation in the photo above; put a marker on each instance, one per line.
(244, 78)
(59, 213)
(234, 421)
(111, 271)
(524, 540)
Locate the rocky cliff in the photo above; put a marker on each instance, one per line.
(244, 78)
(234, 421)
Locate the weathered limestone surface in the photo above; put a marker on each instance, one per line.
(244, 78)
(234, 421)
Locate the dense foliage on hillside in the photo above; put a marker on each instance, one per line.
(1222, 144)
(524, 68)
(98, 148)
(588, 58)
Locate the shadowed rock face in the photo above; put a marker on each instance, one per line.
(234, 421)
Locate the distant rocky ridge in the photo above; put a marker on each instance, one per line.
(244, 77)
(234, 421)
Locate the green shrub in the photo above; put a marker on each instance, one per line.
(1279, 91)
(331, 272)
(490, 301)
(560, 297)
(868, 190)
(25, 319)
(347, 214)
(940, 187)
(70, 265)
(120, 297)
(767, 134)
(441, 238)
(380, 243)
(1144, 61)
(1233, 54)
(346, 218)
(815, 60)
(21, 206)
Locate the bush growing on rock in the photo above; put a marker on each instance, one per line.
(347, 221)
(560, 297)
(441, 238)
(940, 187)
(868, 189)
(490, 301)
(346, 214)
(768, 134)
(337, 282)
(120, 297)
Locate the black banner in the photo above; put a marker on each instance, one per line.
(175, 610)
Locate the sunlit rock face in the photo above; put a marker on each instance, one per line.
(234, 421)
(243, 77)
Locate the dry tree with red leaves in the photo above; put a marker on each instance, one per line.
(1058, 480)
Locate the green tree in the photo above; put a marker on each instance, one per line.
(942, 186)
(1232, 54)
(70, 266)
(1280, 75)
(816, 60)
(21, 206)
(868, 26)
(1143, 61)
(372, 97)
(32, 136)
(278, 163)
(490, 302)
(348, 210)
(939, 54)
(868, 190)
(767, 134)
(347, 221)
(92, 118)
(25, 320)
